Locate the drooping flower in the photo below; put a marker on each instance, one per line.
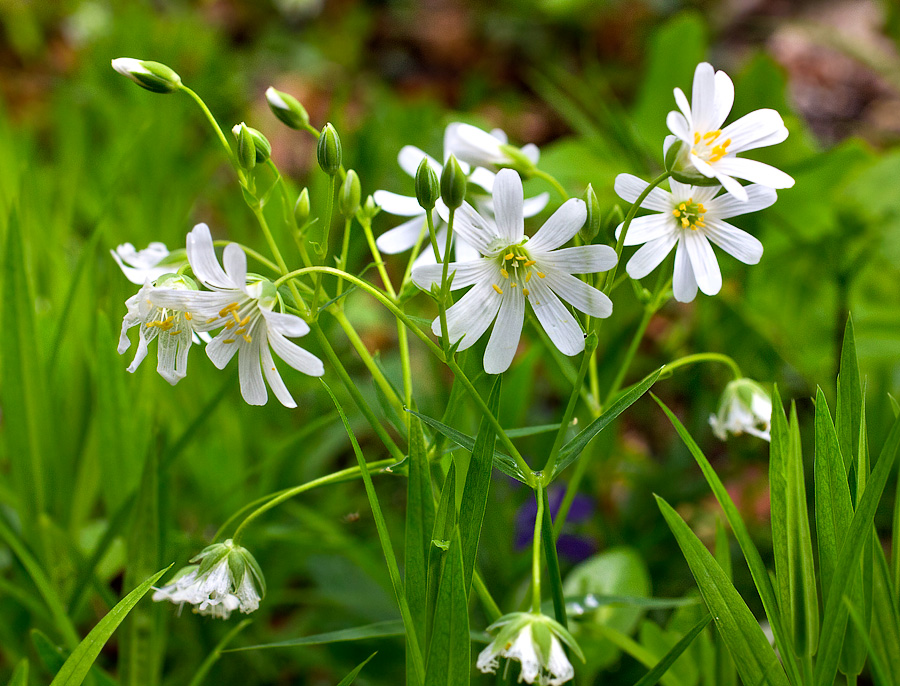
(243, 307)
(503, 278)
(712, 150)
(688, 218)
(745, 407)
(403, 237)
(174, 329)
(536, 642)
(147, 264)
(223, 578)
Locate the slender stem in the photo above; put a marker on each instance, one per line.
(487, 601)
(649, 311)
(379, 262)
(552, 181)
(702, 357)
(550, 465)
(334, 478)
(345, 250)
(405, 366)
(536, 549)
(270, 239)
(215, 125)
(442, 303)
(387, 549)
(620, 244)
(416, 251)
(432, 234)
(329, 212)
(553, 575)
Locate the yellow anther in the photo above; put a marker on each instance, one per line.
(175, 333)
(677, 213)
(528, 263)
(504, 273)
(508, 256)
(682, 206)
(244, 321)
(691, 200)
(701, 208)
(247, 338)
(528, 277)
(525, 292)
(514, 285)
(273, 369)
(712, 135)
(228, 340)
(684, 222)
(696, 138)
(498, 289)
(541, 275)
(521, 258)
(211, 320)
(235, 315)
(228, 308)
(188, 316)
(229, 324)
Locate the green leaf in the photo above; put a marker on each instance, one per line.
(554, 577)
(754, 658)
(849, 403)
(885, 618)
(82, 658)
(444, 526)
(359, 633)
(862, 629)
(751, 554)
(579, 605)
(351, 677)
(20, 674)
(449, 650)
(835, 617)
(475, 492)
(52, 656)
(216, 653)
(654, 675)
(571, 450)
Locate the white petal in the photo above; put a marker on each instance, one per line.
(724, 100)
(576, 292)
(734, 241)
(235, 262)
(648, 257)
(480, 232)
(298, 358)
(725, 206)
(484, 178)
(681, 192)
(508, 199)
(286, 324)
(140, 353)
(629, 187)
(252, 386)
(703, 97)
(274, 378)
(679, 126)
(733, 186)
(202, 257)
(531, 152)
(703, 194)
(401, 238)
(649, 228)
(560, 227)
(409, 159)
(467, 273)
(685, 107)
(399, 205)
(558, 664)
(471, 315)
(559, 323)
(585, 259)
(703, 261)
(172, 354)
(684, 285)
(535, 205)
(755, 130)
(463, 251)
(487, 659)
(500, 135)
(472, 145)
(221, 352)
(753, 171)
(702, 166)
(507, 331)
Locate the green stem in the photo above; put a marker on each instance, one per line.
(387, 549)
(552, 181)
(571, 490)
(491, 609)
(649, 311)
(702, 357)
(536, 549)
(550, 465)
(329, 212)
(270, 239)
(432, 234)
(417, 249)
(379, 262)
(345, 250)
(553, 575)
(215, 125)
(442, 303)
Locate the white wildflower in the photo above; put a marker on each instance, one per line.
(147, 264)
(745, 407)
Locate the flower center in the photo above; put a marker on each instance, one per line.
(516, 268)
(235, 323)
(707, 148)
(690, 214)
(172, 324)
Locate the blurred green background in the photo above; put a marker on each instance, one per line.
(88, 161)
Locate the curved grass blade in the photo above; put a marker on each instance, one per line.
(449, 650)
(387, 629)
(583, 604)
(216, 653)
(20, 674)
(351, 677)
(654, 675)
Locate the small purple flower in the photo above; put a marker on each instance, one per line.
(570, 544)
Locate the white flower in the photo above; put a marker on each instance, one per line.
(244, 309)
(482, 149)
(536, 642)
(712, 150)
(223, 578)
(403, 237)
(745, 408)
(143, 265)
(173, 328)
(502, 279)
(690, 217)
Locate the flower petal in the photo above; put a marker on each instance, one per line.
(755, 130)
(703, 97)
(753, 171)
(399, 205)
(276, 383)
(202, 258)
(648, 228)
(736, 242)
(298, 358)
(679, 126)
(171, 355)
(401, 238)
(685, 107)
(733, 186)
(250, 374)
(472, 145)
(484, 178)
(559, 323)
(285, 323)
(508, 199)
(576, 292)
(648, 257)
(758, 198)
(703, 262)
(629, 187)
(235, 261)
(410, 157)
(684, 285)
(480, 232)
(470, 316)
(584, 259)
(466, 273)
(531, 152)
(560, 227)
(724, 100)
(507, 331)
(535, 205)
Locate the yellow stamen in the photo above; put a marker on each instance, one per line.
(525, 292)
(498, 289)
(696, 138)
(244, 321)
(684, 222)
(175, 333)
(211, 320)
(677, 213)
(541, 275)
(528, 263)
(528, 277)
(682, 206)
(504, 273)
(188, 316)
(236, 318)
(521, 258)
(514, 285)
(228, 308)
(247, 338)
(712, 135)
(228, 340)
(508, 256)
(229, 324)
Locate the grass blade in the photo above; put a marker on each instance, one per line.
(449, 649)
(387, 629)
(351, 677)
(216, 653)
(20, 674)
(654, 675)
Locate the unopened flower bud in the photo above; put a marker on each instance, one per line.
(302, 208)
(329, 151)
(153, 76)
(350, 194)
(428, 189)
(260, 143)
(453, 183)
(591, 226)
(370, 208)
(246, 146)
(287, 108)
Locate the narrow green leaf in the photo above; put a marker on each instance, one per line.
(82, 658)
(654, 675)
(393, 627)
(571, 450)
(216, 653)
(449, 650)
(878, 668)
(444, 524)
(52, 656)
(834, 620)
(475, 492)
(885, 618)
(754, 658)
(554, 578)
(751, 553)
(723, 549)
(351, 677)
(849, 402)
(582, 604)
(20, 674)
(628, 645)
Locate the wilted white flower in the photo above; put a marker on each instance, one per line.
(147, 264)
(173, 328)
(688, 219)
(244, 309)
(502, 279)
(745, 407)
(712, 150)
(536, 642)
(223, 578)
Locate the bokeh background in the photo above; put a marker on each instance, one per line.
(88, 161)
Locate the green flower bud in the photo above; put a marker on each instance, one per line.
(302, 208)
(329, 151)
(591, 226)
(453, 183)
(287, 108)
(246, 147)
(349, 195)
(428, 189)
(370, 208)
(153, 76)
(260, 143)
